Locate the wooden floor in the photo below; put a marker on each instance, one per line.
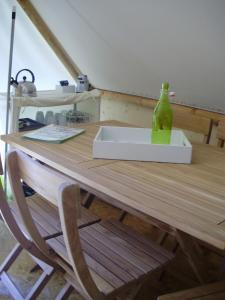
(179, 276)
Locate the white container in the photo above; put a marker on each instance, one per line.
(65, 88)
(127, 143)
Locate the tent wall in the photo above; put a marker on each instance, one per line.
(132, 46)
(30, 51)
(138, 111)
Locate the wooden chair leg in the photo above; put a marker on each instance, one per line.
(221, 271)
(37, 287)
(35, 268)
(163, 236)
(65, 292)
(10, 258)
(196, 261)
(122, 216)
(174, 250)
(88, 200)
(134, 292)
(10, 286)
(34, 292)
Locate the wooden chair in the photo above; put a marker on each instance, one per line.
(102, 260)
(221, 134)
(213, 291)
(46, 218)
(194, 123)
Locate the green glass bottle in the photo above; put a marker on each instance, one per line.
(162, 118)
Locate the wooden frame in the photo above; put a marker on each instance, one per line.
(69, 211)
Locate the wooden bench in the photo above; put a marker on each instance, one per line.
(214, 291)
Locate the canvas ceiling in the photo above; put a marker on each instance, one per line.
(132, 46)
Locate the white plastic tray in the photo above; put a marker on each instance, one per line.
(128, 143)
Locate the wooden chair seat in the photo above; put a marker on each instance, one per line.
(214, 291)
(46, 216)
(115, 254)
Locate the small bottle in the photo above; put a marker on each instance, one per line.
(162, 118)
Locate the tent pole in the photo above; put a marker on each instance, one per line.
(8, 88)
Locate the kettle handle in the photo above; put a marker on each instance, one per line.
(32, 74)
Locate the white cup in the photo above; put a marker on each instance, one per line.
(57, 118)
(40, 117)
(62, 119)
(49, 118)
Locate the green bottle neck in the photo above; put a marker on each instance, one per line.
(164, 96)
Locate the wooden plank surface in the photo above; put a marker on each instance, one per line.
(190, 198)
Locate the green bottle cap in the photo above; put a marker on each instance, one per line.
(165, 85)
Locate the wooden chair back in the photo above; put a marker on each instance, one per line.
(221, 134)
(193, 123)
(41, 179)
(16, 231)
(47, 266)
(64, 193)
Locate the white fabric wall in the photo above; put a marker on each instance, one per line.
(132, 46)
(30, 51)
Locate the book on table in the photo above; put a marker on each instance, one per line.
(53, 134)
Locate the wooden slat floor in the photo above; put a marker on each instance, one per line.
(178, 277)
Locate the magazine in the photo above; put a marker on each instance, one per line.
(53, 133)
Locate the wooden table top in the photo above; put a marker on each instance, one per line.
(190, 198)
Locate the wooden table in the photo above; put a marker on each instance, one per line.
(186, 199)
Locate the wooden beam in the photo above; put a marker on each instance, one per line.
(150, 103)
(50, 38)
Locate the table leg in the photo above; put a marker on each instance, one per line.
(190, 248)
(89, 198)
